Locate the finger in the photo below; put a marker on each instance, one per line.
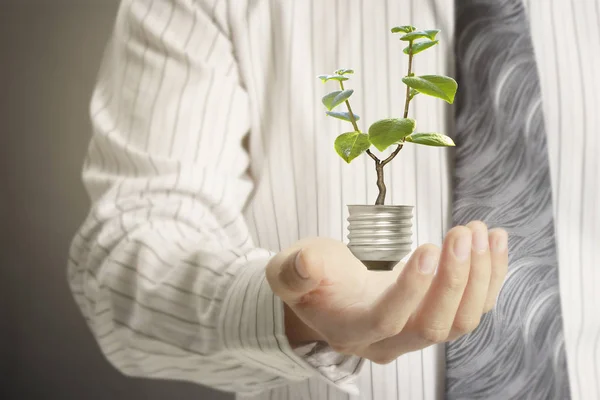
(436, 313)
(498, 239)
(298, 274)
(394, 306)
(475, 294)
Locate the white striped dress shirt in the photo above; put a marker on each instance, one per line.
(211, 152)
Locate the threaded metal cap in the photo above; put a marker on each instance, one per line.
(380, 236)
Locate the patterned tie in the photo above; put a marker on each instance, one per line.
(502, 177)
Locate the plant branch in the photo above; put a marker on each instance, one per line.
(352, 117)
(406, 104)
(410, 60)
(373, 156)
(391, 157)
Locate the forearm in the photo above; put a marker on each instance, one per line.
(163, 296)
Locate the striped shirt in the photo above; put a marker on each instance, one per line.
(211, 152)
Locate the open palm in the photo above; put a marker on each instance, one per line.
(381, 315)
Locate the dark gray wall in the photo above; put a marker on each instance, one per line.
(49, 55)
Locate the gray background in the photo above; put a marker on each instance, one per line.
(49, 56)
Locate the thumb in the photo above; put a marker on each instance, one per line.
(298, 274)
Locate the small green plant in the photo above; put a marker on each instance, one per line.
(390, 131)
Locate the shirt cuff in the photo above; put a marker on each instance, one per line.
(252, 325)
(333, 367)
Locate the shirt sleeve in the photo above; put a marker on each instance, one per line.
(163, 268)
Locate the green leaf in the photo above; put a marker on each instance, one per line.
(403, 29)
(326, 78)
(420, 46)
(351, 145)
(442, 87)
(344, 71)
(334, 99)
(343, 115)
(385, 132)
(428, 34)
(430, 139)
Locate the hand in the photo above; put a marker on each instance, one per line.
(437, 296)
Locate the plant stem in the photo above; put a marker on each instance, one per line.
(378, 163)
(380, 184)
(410, 59)
(379, 168)
(352, 117)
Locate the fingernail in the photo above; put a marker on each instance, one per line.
(428, 261)
(300, 267)
(462, 247)
(500, 242)
(480, 240)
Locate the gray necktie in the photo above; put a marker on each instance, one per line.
(502, 177)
